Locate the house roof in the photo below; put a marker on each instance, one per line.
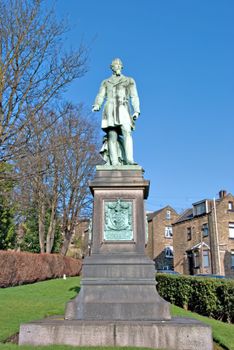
(199, 245)
(150, 216)
(186, 215)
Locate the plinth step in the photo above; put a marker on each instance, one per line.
(179, 333)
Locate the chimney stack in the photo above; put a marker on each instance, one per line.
(222, 194)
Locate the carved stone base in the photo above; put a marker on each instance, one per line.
(118, 287)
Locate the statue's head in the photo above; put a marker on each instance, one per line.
(116, 66)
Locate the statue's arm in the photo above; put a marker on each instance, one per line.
(100, 97)
(134, 99)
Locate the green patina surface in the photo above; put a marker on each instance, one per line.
(118, 221)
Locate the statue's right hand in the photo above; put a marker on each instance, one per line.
(95, 108)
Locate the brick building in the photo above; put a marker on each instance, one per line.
(79, 246)
(160, 237)
(204, 237)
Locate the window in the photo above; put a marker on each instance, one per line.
(168, 215)
(230, 205)
(206, 260)
(200, 208)
(231, 229)
(196, 259)
(169, 252)
(168, 232)
(232, 259)
(205, 230)
(189, 233)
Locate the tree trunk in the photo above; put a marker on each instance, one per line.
(51, 230)
(50, 235)
(66, 242)
(41, 222)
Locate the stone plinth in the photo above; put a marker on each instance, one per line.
(118, 280)
(118, 287)
(176, 334)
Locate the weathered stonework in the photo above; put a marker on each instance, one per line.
(177, 334)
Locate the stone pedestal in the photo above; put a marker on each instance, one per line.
(118, 280)
(118, 304)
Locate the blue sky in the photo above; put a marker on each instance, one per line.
(181, 55)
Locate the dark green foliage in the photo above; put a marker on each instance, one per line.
(30, 241)
(225, 294)
(203, 298)
(176, 292)
(57, 239)
(7, 224)
(206, 296)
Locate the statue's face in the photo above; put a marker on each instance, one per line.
(116, 68)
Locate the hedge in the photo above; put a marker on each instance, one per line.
(18, 268)
(207, 296)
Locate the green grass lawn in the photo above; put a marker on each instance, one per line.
(35, 301)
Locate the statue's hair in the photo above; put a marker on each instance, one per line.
(116, 60)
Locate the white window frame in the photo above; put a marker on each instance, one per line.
(168, 232)
(169, 252)
(168, 215)
(231, 229)
(206, 256)
(230, 205)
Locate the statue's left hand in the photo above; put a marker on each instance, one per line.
(135, 116)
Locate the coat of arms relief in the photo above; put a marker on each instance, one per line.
(118, 221)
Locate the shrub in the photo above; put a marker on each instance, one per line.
(20, 267)
(208, 297)
(225, 294)
(177, 292)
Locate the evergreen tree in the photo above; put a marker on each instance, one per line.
(7, 224)
(30, 241)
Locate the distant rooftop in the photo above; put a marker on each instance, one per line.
(186, 215)
(151, 215)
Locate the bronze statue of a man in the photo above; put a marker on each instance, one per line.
(119, 114)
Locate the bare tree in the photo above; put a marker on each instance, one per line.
(79, 155)
(59, 163)
(33, 69)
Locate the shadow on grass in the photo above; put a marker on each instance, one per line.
(75, 289)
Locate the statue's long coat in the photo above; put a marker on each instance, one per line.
(118, 94)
